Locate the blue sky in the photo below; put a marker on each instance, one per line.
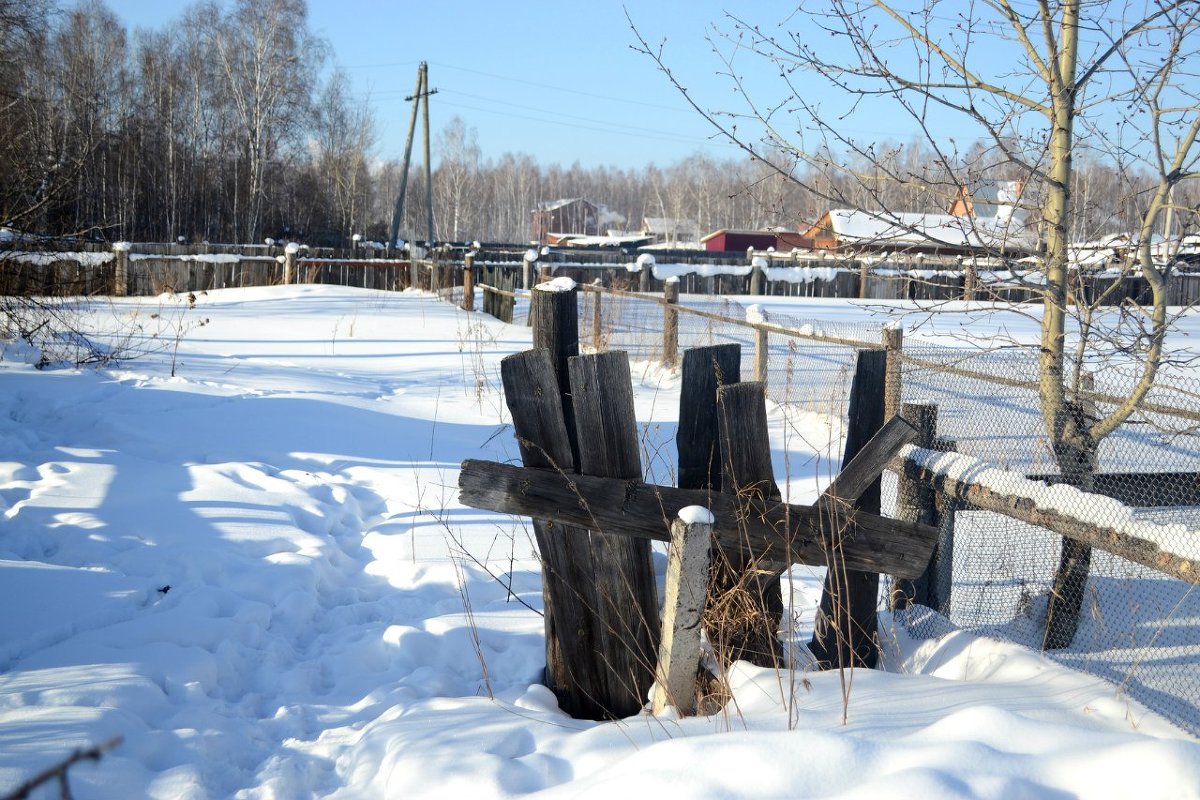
(556, 80)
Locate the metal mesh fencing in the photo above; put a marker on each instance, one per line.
(1137, 627)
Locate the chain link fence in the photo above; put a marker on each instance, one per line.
(1138, 628)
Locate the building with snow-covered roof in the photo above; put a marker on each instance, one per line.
(667, 230)
(571, 215)
(852, 229)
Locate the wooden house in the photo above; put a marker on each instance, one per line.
(572, 215)
(858, 231)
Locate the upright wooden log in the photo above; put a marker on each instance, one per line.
(761, 351)
(679, 648)
(572, 673)
(745, 599)
(531, 392)
(847, 623)
(289, 262)
(120, 269)
(468, 301)
(625, 595)
(554, 315)
(670, 321)
(705, 369)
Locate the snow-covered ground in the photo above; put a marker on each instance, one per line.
(258, 574)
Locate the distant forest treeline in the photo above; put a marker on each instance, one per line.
(233, 125)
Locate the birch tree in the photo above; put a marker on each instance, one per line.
(1041, 86)
(268, 61)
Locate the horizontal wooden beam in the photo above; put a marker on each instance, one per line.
(1025, 509)
(768, 530)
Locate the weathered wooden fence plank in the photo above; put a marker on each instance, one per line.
(746, 601)
(623, 573)
(554, 316)
(847, 623)
(572, 673)
(867, 464)
(705, 369)
(777, 531)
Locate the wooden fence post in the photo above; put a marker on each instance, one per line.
(893, 346)
(970, 277)
(531, 256)
(468, 301)
(554, 317)
(597, 309)
(705, 370)
(535, 399)
(847, 621)
(761, 351)
(289, 262)
(679, 648)
(120, 268)
(621, 570)
(670, 321)
(743, 623)
(757, 265)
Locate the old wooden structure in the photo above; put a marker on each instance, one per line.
(594, 517)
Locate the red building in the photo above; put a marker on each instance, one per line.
(724, 241)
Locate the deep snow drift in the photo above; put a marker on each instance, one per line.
(258, 574)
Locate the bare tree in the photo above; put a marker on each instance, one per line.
(458, 169)
(1042, 86)
(268, 61)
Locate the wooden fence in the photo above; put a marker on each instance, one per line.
(95, 268)
(581, 482)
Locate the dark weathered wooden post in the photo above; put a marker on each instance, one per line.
(970, 277)
(554, 315)
(757, 265)
(743, 622)
(670, 321)
(468, 301)
(705, 369)
(534, 398)
(847, 623)
(625, 596)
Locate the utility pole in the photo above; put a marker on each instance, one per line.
(419, 95)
